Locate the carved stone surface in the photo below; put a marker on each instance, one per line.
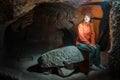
(60, 57)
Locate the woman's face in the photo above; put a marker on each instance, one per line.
(87, 19)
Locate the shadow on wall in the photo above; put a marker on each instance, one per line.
(6, 11)
(47, 26)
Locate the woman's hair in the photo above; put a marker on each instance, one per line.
(88, 14)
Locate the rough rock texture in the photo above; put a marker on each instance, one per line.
(42, 28)
(11, 9)
(6, 11)
(114, 56)
(24, 11)
(23, 6)
(60, 57)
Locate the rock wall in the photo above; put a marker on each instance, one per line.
(20, 7)
(114, 56)
(23, 6)
(6, 11)
(10, 10)
(23, 15)
(41, 29)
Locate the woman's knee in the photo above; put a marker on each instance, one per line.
(97, 46)
(83, 46)
(97, 49)
(92, 49)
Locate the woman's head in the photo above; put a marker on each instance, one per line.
(87, 18)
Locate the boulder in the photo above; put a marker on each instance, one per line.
(61, 57)
(65, 72)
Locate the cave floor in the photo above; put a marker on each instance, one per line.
(21, 65)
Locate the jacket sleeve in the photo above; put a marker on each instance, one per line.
(92, 34)
(81, 34)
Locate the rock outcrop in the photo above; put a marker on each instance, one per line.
(10, 9)
(6, 11)
(61, 57)
(114, 56)
(41, 29)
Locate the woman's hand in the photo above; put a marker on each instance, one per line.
(93, 45)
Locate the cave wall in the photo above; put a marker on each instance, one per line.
(6, 11)
(20, 7)
(11, 10)
(41, 29)
(114, 56)
(14, 8)
(50, 18)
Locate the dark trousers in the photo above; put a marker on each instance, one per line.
(94, 56)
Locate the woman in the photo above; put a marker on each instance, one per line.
(86, 41)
